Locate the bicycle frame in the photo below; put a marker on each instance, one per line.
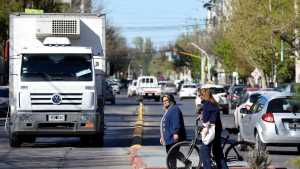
(194, 140)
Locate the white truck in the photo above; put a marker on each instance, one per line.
(148, 88)
(56, 72)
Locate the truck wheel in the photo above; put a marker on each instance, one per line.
(113, 101)
(29, 139)
(15, 141)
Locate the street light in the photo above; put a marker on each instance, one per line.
(203, 60)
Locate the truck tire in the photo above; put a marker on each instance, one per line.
(113, 101)
(92, 140)
(29, 139)
(15, 141)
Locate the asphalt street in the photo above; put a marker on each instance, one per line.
(119, 124)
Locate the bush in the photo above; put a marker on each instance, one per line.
(259, 159)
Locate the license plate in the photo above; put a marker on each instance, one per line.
(294, 125)
(56, 118)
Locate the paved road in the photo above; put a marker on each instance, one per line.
(119, 123)
(60, 152)
(153, 113)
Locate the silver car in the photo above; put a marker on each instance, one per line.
(169, 88)
(274, 120)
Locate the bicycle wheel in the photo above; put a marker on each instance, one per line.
(184, 155)
(238, 151)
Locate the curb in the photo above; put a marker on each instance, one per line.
(271, 167)
(136, 161)
(138, 128)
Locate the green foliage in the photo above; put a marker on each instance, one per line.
(160, 66)
(224, 50)
(142, 54)
(196, 67)
(286, 70)
(8, 6)
(295, 162)
(259, 159)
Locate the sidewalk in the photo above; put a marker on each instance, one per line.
(154, 157)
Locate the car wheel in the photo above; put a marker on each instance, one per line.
(241, 147)
(259, 144)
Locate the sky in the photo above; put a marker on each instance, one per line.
(161, 20)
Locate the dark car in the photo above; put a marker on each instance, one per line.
(234, 94)
(109, 94)
(3, 100)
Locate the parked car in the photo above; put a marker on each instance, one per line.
(109, 94)
(188, 90)
(115, 86)
(132, 88)
(234, 94)
(3, 100)
(246, 101)
(168, 88)
(219, 94)
(290, 87)
(274, 120)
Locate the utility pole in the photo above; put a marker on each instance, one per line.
(204, 57)
(296, 52)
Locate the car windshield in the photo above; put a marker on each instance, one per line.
(216, 90)
(56, 67)
(170, 85)
(284, 105)
(189, 86)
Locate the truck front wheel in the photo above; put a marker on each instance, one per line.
(15, 141)
(92, 140)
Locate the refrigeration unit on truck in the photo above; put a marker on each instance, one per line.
(56, 71)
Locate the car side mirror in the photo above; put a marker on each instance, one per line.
(244, 111)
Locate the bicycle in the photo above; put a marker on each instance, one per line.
(186, 154)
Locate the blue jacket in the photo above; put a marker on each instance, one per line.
(211, 113)
(173, 123)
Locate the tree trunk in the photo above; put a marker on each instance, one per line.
(263, 79)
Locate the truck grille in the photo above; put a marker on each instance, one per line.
(47, 99)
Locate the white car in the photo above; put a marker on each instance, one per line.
(188, 90)
(132, 88)
(247, 99)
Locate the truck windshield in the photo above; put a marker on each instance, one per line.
(56, 67)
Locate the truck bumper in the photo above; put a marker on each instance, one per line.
(40, 124)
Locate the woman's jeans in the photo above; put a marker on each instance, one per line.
(217, 153)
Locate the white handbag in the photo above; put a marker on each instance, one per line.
(209, 137)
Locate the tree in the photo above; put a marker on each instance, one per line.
(117, 50)
(8, 6)
(251, 31)
(142, 54)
